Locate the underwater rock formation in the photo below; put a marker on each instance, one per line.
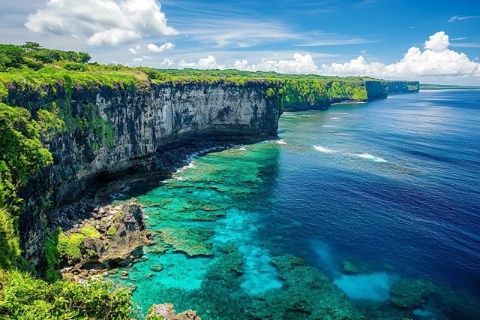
(166, 312)
(411, 294)
(192, 241)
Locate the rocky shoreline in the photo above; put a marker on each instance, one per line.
(113, 237)
(110, 233)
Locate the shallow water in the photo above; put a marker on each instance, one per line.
(390, 187)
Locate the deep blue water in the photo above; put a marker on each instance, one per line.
(392, 186)
(394, 182)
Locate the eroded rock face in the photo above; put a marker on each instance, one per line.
(114, 236)
(112, 130)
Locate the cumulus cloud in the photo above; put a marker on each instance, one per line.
(435, 60)
(157, 49)
(437, 42)
(135, 50)
(209, 62)
(298, 64)
(101, 22)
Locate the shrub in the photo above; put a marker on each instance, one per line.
(70, 246)
(90, 232)
(23, 297)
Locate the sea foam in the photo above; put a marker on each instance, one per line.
(371, 157)
(323, 149)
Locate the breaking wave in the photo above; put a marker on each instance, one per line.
(323, 149)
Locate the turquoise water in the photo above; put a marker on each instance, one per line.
(379, 200)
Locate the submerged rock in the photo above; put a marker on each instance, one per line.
(191, 241)
(156, 268)
(411, 293)
(354, 267)
(166, 312)
(307, 294)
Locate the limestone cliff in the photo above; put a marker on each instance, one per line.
(403, 86)
(112, 130)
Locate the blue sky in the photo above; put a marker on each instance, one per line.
(326, 36)
(384, 29)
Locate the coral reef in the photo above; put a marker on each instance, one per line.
(192, 241)
(166, 312)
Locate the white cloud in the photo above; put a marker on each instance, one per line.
(462, 18)
(101, 22)
(239, 33)
(157, 49)
(436, 60)
(299, 64)
(209, 62)
(167, 63)
(135, 50)
(437, 42)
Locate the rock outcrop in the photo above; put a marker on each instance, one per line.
(113, 236)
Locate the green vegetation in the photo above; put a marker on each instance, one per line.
(52, 257)
(70, 245)
(22, 155)
(291, 91)
(23, 297)
(90, 232)
(43, 70)
(111, 231)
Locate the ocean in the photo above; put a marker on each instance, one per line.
(363, 210)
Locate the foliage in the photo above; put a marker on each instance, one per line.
(9, 244)
(23, 297)
(70, 245)
(69, 69)
(22, 155)
(52, 257)
(90, 232)
(112, 231)
(34, 56)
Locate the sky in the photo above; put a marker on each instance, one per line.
(431, 41)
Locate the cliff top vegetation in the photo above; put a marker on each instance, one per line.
(30, 64)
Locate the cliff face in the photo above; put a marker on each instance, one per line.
(110, 131)
(403, 86)
(376, 89)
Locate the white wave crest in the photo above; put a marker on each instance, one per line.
(281, 141)
(180, 170)
(334, 118)
(371, 157)
(323, 149)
